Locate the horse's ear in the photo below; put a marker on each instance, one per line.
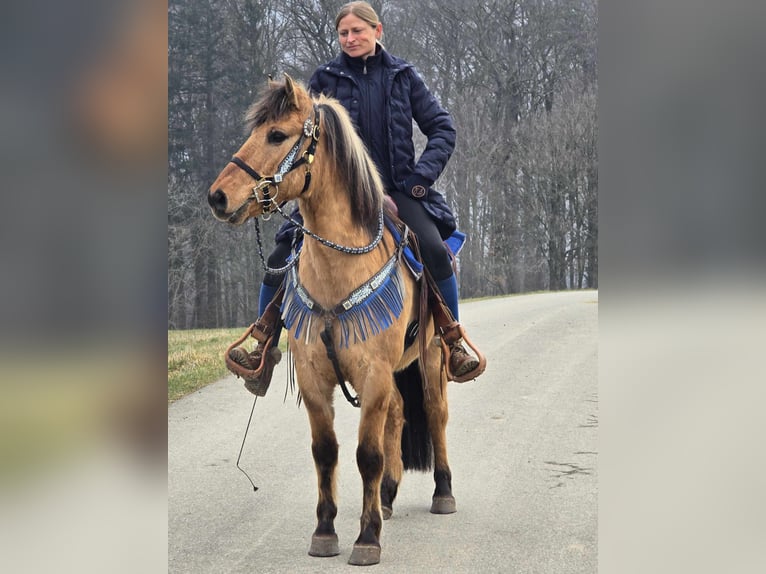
(291, 91)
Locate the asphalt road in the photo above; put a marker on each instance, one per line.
(523, 453)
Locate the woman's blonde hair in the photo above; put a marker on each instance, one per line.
(361, 10)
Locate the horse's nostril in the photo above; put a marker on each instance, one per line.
(217, 200)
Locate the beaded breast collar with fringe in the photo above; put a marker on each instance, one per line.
(368, 310)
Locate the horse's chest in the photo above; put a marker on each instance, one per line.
(363, 313)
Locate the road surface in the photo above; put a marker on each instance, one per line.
(523, 452)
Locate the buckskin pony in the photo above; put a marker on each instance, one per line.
(351, 295)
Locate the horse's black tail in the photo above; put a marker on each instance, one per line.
(417, 450)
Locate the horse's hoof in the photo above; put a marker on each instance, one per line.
(387, 512)
(364, 555)
(443, 505)
(324, 545)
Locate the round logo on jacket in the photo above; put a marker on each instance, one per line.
(418, 191)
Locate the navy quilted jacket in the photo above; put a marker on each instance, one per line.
(404, 97)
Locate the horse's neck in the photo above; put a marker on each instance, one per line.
(327, 213)
(327, 273)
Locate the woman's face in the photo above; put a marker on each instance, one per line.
(357, 38)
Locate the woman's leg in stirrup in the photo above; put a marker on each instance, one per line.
(269, 288)
(448, 289)
(272, 327)
(271, 284)
(460, 362)
(436, 258)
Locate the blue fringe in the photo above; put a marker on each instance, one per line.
(369, 311)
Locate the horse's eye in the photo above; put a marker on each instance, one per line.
(276, 137)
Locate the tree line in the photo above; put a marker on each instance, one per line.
(519, 78)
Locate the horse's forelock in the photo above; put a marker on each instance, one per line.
(354, 164)
(273, 104)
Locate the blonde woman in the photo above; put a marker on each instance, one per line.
(384, 94)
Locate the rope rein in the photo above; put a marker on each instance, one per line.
(326, 242)
(336, 246)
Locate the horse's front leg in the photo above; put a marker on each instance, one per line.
(393, 467)
(375, 398)
(324, 448)
(437, 413)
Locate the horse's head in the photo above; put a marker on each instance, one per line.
(283, 132)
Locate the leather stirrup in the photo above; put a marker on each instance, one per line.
(262, 331)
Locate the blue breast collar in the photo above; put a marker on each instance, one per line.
(367, 311)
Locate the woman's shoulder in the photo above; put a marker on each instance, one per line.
(325, 76)
(395, 62)
(334, 65)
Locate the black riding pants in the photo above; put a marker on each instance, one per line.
(435, 255)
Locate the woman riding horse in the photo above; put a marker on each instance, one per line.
(349, 304)
(383, 94)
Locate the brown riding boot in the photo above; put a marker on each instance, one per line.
(250, 361)
(461, 366)
(460, 362)
(258, 368)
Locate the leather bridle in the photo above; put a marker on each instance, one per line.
(288, 164)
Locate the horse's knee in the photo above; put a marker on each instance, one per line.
(325, 452)
(369, 460)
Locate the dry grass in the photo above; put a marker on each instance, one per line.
(195, 358)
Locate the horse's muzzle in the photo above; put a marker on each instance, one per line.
(217, 201)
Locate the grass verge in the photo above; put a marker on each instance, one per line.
(195, 358)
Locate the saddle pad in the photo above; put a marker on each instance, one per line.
(415, 266)
(454, 244)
